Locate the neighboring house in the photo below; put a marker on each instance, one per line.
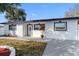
(59, 28)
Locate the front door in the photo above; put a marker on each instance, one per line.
(29, 30)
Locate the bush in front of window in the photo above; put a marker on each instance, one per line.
(42, 36)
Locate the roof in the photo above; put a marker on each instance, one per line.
(42, 20)
(54, 19)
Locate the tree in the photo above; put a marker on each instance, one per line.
(73, 12)
(5, 7)
(12, 11)
(16, 15)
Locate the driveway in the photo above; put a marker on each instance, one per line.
(62, 48)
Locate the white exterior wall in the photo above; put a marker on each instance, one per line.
(34, 33)
(2, 31)
(13, 33)
(70, 34)
(78, 32)
(19, 30)
(6, 29)
(25, 29)
(37, 33)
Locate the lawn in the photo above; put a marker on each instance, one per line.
(25, 48)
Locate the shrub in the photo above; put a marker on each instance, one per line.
(42, 36)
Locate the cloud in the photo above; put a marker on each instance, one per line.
(34, 14)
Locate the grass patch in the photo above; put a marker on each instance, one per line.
(25, 48)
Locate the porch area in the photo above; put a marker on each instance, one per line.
(33, 30)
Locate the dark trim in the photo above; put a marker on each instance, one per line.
(60, 22)
(42, 20)
(10, 27)
(78, 22)
(39, 25)
(35, 25)
(54, 19)
(27, 28)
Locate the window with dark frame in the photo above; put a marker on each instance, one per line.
(36, 27)
(42, 26)
(60, 26)
(39, 26)
(12, 27)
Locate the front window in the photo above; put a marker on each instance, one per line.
(60, 26)
(12, 27)
(39, 27)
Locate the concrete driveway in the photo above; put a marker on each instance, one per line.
(62, 48)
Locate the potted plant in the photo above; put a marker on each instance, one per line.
(42, 36)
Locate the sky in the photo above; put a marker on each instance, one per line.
(36, 11)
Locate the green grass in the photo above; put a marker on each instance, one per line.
(25, 48)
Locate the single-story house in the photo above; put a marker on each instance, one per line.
(57, 28)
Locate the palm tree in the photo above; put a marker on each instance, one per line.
(12, 12)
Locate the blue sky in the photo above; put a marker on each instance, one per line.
(43, 10)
